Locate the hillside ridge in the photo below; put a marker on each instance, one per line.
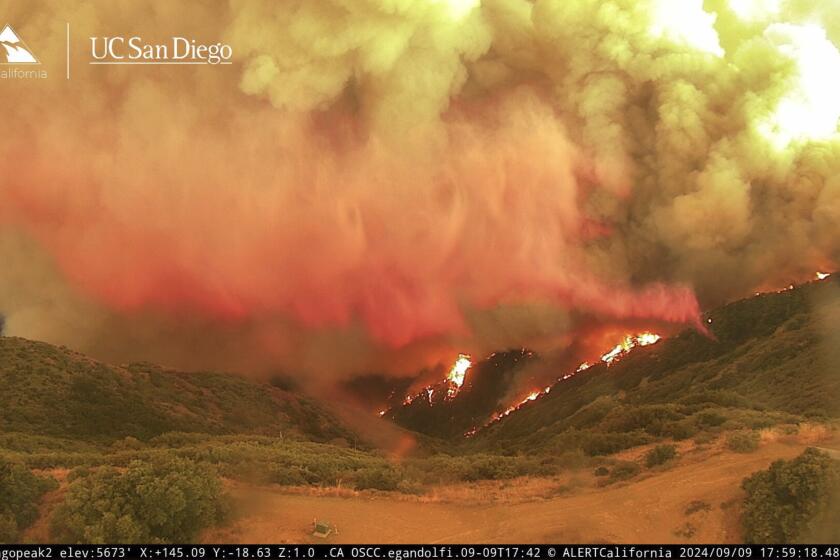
(53, 391)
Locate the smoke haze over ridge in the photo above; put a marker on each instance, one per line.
(375, 183)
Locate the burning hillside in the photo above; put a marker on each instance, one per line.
(446, 389)
(419, 409)
(460, 398)
(609, 358)
(465, 396)
(776, 351)
(628, 343)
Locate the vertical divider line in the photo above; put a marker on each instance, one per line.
(68, 50)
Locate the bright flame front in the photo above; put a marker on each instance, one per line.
(458, 374)
(459, 370)
(629, 342)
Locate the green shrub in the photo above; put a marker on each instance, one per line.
(660, 454)
(592, 413)
(177, 439)
(793, 501)
(649, 418)
(407, 486)
(291, 475)
(488, 468)
(710, 419)
(20, 491)
(602, 471)
(718, 397)
(8, 529)
(443, 468)
(697, 505)
(78, 472)
(568, 460)
(377, 479)
(743, 442)
(624, 470)
(596, 443)
(128, 443)
(679, 430)
(165, 501)
(704, 437)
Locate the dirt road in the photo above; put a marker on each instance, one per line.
(649, 509)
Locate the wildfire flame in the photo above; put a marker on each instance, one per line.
(819, 276)
(511, 409)
(459, 370)
(628, 343)
(454, 379)
(457, 374)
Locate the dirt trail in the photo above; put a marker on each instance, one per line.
(39, 532)
(650, 509)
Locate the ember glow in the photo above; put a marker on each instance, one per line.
(818, 276)
(534, 395)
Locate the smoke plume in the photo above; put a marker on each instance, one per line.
(376, 183)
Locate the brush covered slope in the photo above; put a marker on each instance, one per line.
(54, 392)
(772, 358)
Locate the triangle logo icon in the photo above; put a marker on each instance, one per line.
(13, 50)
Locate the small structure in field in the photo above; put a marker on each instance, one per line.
(322, 529)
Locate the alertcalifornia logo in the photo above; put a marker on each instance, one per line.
(15, 52)
(14, 49)
(178, 50)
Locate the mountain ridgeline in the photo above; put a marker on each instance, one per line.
(773, 358)
(54, 392)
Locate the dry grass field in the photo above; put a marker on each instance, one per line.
(694, 500)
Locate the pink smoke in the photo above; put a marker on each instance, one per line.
(271, 215)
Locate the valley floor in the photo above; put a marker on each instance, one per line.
(653, 508)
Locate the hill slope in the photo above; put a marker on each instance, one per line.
(775, 358)
(52, 391)
(434, 413)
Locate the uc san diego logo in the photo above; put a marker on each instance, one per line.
(13, 52)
